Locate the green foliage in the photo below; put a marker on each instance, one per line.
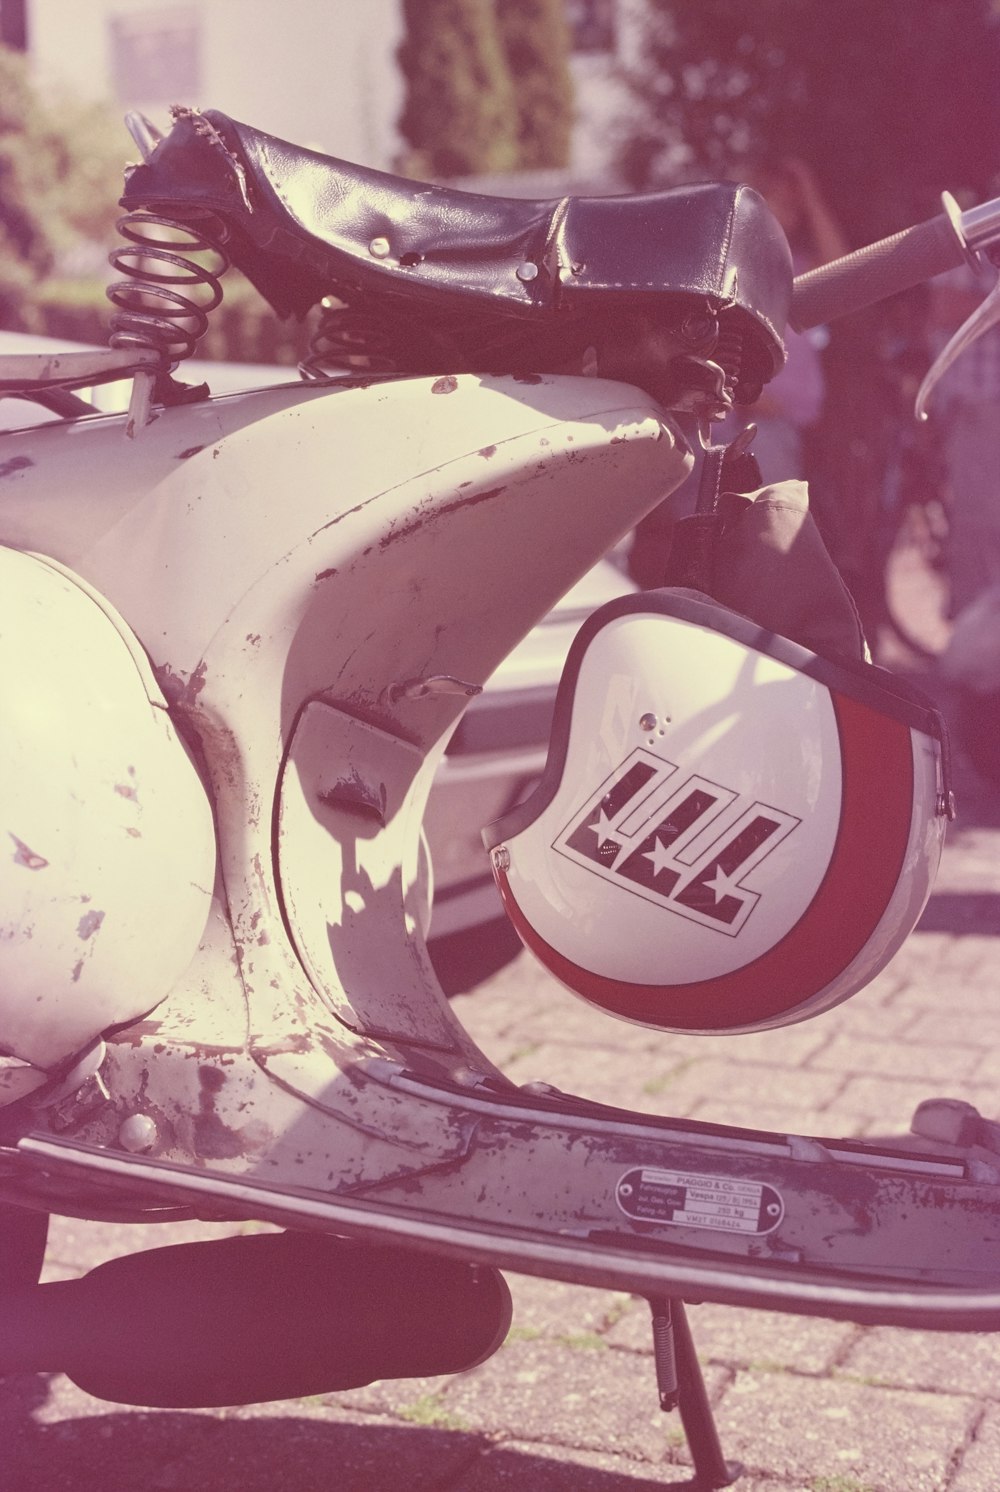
(60, 177)
(429, 1410)
(839, 1482)
(889, 102)
(459, 115)
(536, 40)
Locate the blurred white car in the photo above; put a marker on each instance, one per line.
(498, 750)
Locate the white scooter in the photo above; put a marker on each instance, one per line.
(236, 634)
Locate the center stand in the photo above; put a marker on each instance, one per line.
(681, 1386)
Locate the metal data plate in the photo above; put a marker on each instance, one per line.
(730, 1205)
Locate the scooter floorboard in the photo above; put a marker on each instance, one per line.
(647, 1266)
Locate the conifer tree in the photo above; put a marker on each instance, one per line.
(459, 116)
(536, 40)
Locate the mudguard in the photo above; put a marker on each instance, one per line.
(108, 854)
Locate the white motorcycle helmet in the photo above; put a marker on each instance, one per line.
(731, 833)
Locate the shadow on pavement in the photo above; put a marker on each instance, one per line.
(270, 1446)
(962, 912)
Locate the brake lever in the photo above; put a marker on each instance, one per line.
(982, 319)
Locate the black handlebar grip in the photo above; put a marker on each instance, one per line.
(869, 275)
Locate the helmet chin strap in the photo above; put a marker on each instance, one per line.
(728, 468)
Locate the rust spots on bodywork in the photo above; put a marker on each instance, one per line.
(214, 1139)
(89, 924)
(326, 574)
(488, 451)
(527, 378)
(191, 451)
(446, 385)
(419, 520)
(124, 791)
(178, 690)
(25, 856)
(352, 791)
(14, 465)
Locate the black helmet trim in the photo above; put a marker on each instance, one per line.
(862, 682)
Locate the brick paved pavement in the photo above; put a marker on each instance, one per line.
(569, 1401)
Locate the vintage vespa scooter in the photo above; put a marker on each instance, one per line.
(235, 636)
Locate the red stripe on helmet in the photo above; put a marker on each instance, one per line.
(864, 870)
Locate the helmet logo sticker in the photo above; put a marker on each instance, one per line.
(685, 843)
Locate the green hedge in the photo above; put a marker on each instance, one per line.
(243, 329)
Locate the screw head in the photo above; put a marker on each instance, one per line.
(527, 271)
(379, 248)
(647, 721)
(137, 1133)
(501, 858)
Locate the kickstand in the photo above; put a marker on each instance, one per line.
(681, 1386)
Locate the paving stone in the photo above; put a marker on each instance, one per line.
(109, 1452)
(886, 1439)
(727, 1335)
(979, 1468)
(858, 1018)
(945, 1362)
(399, 1398)
(76, 1245)
(498, 1006)
(959, 1002)
(551, 1309)
(543, 1309)
(735, 1083)
(590, 1396)
(601, 1074)
(987, 1073)
(890, 1104)
(787, 1046)
(562, 1017)
(540, 1468)
(530, 1467)
(982, 1036)
(776, 1117)
(82, 1445)
(899, 1060)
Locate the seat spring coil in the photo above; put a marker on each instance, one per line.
(165, 301)
(346, 339)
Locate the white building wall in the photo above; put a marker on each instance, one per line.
(318, 72)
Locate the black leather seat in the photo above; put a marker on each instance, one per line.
(303, 225)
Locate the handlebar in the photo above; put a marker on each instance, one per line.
(893, 264)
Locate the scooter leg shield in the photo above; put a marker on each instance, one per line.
(109, 859)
